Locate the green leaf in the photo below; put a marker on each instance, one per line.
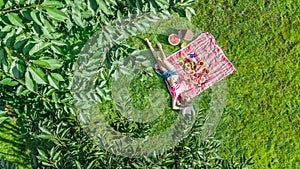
(56, 14)
(48, 63)
(17, 69)
(57, 76)
(48, 137)
(168, 162)
(56, 50)
(52, 152)
(78, 164)
(249, 161)
(20, 89)
(49, 92)
(188, 12)
(162, 3)
(15, 20)
(38, 75)
(41, 63)
(139, 4)
(53, 82)
(129, 3)
(136, 165)
(191, 10)
(77, 19)
(58, 43)
(44, 130)
(56, 155)
(112, 2)
(42, 154)
(28, 47)
(45, 136)
(47, 27)
(3, 56)
(54, 64)
(33, 15)
(2, 119)
(153, 6)
(91, 164)
(7, 28)
(104, 7)
(38, 47)
(92, 6)
(19, 45)
(46, 164)
(8, 82)
(2, 113)
(10, 39)
(55, 97)
(48, 3)
(1, 4)
(30, 84)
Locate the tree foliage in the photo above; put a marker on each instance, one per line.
(40, 43)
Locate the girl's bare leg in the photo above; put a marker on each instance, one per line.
(166, 63)
(161, 50)
(160, 65)
(151, 49)
(158, 60)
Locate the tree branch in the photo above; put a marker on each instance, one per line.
(18, 9)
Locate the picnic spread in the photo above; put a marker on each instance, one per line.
(195, 67)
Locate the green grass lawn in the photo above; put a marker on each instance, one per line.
(262, 40)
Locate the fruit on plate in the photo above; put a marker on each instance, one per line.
(174, 39)
(202, 79)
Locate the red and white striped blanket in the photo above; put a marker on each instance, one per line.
(203, 48)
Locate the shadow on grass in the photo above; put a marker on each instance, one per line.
(163, 39)
(12, 147)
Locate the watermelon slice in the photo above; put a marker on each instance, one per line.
(174, 39)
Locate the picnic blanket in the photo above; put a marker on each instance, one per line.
(213, 65)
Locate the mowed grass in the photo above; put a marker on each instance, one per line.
(261, 39)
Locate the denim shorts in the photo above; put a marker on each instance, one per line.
(167, 73)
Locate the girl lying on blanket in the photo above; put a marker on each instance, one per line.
(169, 73)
